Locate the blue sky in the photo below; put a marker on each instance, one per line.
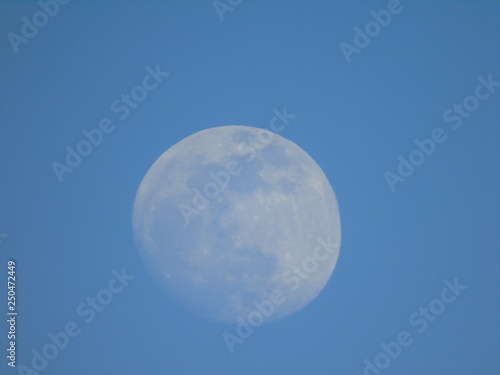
(354, 118)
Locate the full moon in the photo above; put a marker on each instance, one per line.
(238, 223)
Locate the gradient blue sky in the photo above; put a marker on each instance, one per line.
(353, 119)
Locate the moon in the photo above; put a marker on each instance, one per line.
(238, 223)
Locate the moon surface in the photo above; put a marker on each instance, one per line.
(238, 223)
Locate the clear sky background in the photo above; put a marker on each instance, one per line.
(354, 119)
